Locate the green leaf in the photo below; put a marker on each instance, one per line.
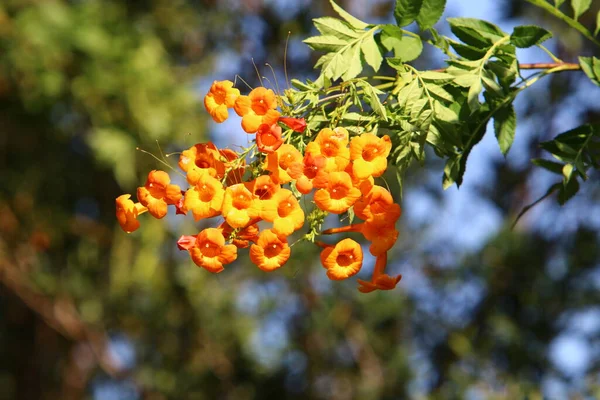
(410, 50)
(475, 32)
(473, 95)
(505, 124)
(529, 35)
(325, 43)
(406, 11)
(330, 26)
(591, 67)
(548, 165)
(558, 3)
(580, 6)
(372, 95)
(430, 13)
(466, 80)
(436, 76)
(353, 65)
(371, 52)
(568, 190)
(451, 172)
(353, 21)
(440, 92)
(444, 113)
(597, 30)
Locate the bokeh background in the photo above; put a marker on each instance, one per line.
(87, 311)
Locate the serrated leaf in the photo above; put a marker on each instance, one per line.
(436, 76)
(410, 49)
(473, 95)
(330, 26)
(475, 32)
(444, 113)
(353, 65)
(430, 13)
(505, 124)
(548, 165)
(529, 35)
(353, 21)
(580, 6)
(451, 173)
(440, 92)
(371, 52)
(406, 11)
(325, 43)
(489, 82)
(466, 80)
(373, 98)
(587, 65)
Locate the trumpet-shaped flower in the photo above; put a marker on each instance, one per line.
(234, 168)
(239, 206)
(284, 212)
(377, 206)
(127, 213)
(339, 194)
(380, 280)
(222, 95)
(257, 108)
(268, 138)
(210, 251)
(333, 145)
(342, 260)
(310, 173)
(270, 251)
(295, 124)
(369, 155)
(242, 238)
(200, 159)
(382, 236)
(157, 193)
(205, 199)
(281, 161)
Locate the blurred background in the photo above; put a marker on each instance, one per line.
(87, 311)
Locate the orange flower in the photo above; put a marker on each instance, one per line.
(270, 251)
(280, 162)
(339, 194)
(201, 158)
(263, 188)
(157, 193)
(380, 280)
(332, 144)
(222, 95)
(382, 236)
(364, 185)
(295, 124)
(377, 206)
(257, 108)
(268, 138)
(127, 213)
(239, 206)
(205, 199)
(309, 173)
(342, 260)
(186, 242)
(242, 238)
(369, 155)
(285, 213)
(210, 251)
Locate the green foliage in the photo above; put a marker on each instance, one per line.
(591, 67)
(578, 150)
(530, 35)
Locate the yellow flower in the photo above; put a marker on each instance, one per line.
(205, 199)
(257, 108)
(285, 213)
(127, 213)
(333, 145)
(339, 194)
(239, 206)
(270, 251)
(369, 155)
(157, 193)
(222, 95)
(210, 251)
(342, 260)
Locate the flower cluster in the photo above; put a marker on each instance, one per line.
(338, 170)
